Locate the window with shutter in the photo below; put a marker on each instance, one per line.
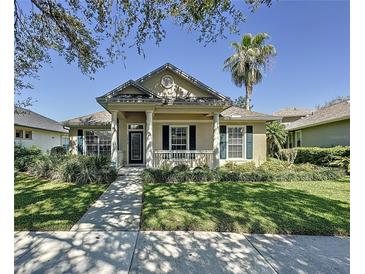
(223, 142)
(165, 137)
(249, 142)
(80, 141)
(192, 137)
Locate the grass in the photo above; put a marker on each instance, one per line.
(310, 208)
(48, 205)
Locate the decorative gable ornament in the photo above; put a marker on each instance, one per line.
(167, 81)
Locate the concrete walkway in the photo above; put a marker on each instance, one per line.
(107, 240)
(118, 208)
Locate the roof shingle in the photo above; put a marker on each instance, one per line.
(292, 112)
(337, 112)
(234, 112)
(28, 118)
(93, 119)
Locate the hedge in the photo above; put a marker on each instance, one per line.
(321, 156)
(24, 157)
(270, 171)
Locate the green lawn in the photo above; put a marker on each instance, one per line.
(313, 208)
(47, 205)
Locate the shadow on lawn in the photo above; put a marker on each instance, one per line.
(243, 207)
(42, 205)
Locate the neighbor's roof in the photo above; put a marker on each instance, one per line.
(93, 119)
(237, 113)
(337, 112)
(28, 118)
(292, 112)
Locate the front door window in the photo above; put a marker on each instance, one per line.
(135, 147)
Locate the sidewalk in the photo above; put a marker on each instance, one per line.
(178, 252)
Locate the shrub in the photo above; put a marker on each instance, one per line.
(46, 167)
(180, 168)
(75, 169)
(243, 167)
(343, 162)
(58, 151)
(270, 171)
(288, 154)
(88, 169)
(180, 177)
(24, 157)
(202, 167)
(321, 156)
(202, 175)
(151, 175)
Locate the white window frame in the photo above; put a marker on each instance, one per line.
(244, 156)
(296, 133)
(187, 136)
(84, 152)
(143, 143)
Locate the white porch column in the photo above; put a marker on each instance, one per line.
(216, 140)
(149, 140)
(114, 141)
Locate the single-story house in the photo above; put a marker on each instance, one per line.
(33, 129)
(292, 114)
(325, 127)
(169, 117)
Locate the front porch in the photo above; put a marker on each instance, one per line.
(153, 138)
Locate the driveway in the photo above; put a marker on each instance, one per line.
(107, 240)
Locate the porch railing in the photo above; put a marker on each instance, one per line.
(192, 158)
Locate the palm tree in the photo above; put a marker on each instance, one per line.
(276, 136)
(251, 58)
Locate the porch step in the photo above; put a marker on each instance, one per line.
(130, 171)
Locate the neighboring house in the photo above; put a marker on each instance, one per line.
(290, 115)
(169, 117)
(326, 127)
(33, 129)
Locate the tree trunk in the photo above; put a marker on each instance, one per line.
(248, 97)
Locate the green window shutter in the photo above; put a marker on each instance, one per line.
(249, 142)
(192, 138)
(223, 142)
(80, 141)
(165, 137)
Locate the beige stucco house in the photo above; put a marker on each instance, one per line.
(33, 129)
(325, 127)
(168, 116)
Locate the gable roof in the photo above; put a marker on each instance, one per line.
(292, 112)
(337, 112)
(28, 118)
(237, 113)
(129, 83)
(93, 119)
(186, 76)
